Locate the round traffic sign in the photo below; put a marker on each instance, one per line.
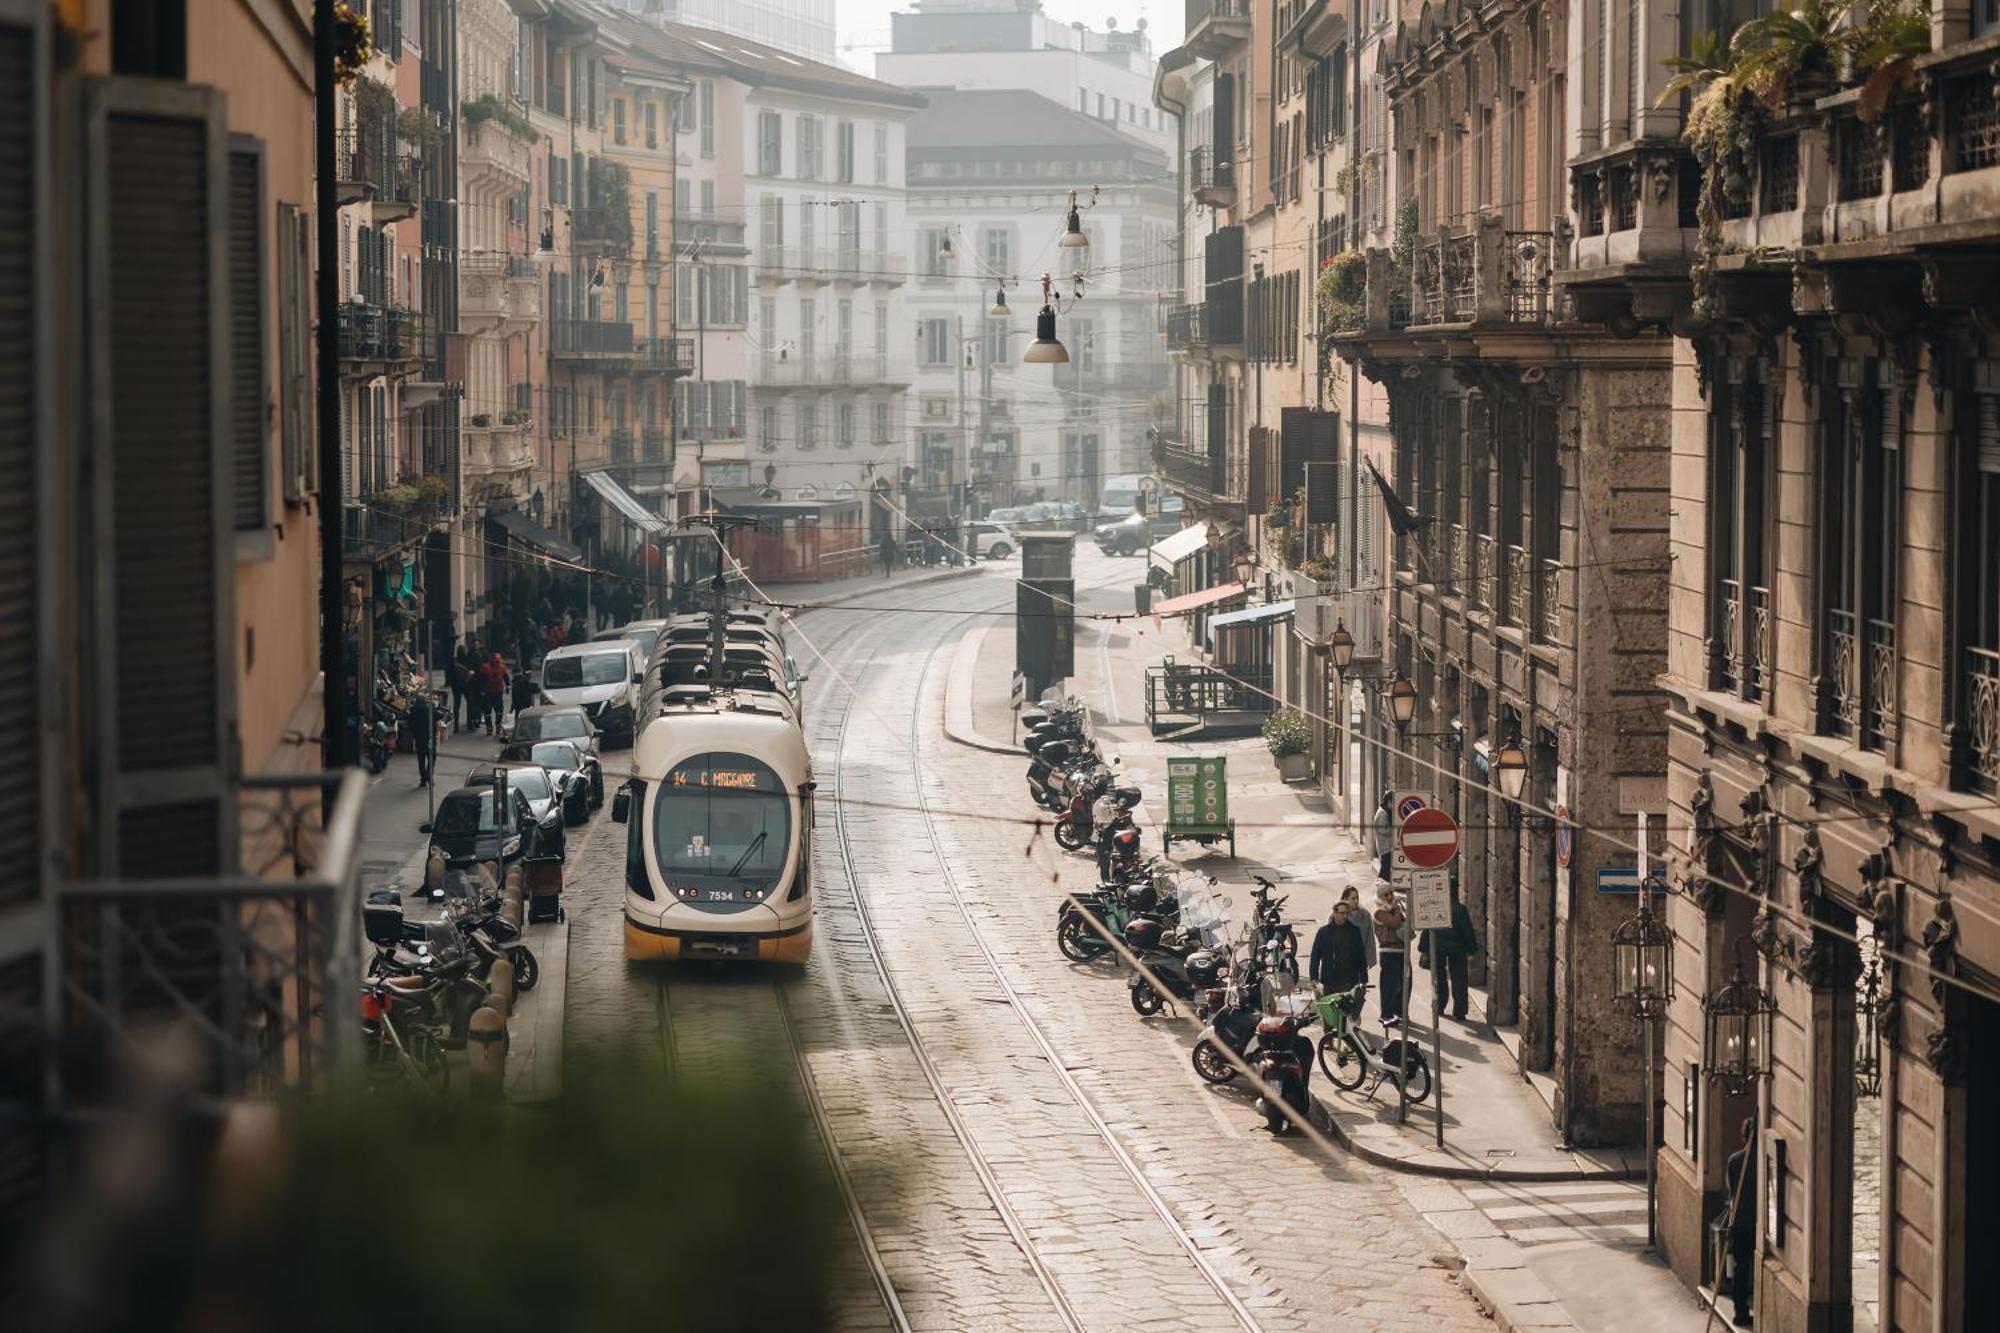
(1429, 838)
(1409, 805)
(1565, 838)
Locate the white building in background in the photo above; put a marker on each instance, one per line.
(799, 27)
(991, 172)
(1011, 44)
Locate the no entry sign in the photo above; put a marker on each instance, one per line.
(1429, 838)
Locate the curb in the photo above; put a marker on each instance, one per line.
(957, 689)
(1525, 1311)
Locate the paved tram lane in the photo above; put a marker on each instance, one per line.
(1103, 1189)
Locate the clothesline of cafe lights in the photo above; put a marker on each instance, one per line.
(1527, 807)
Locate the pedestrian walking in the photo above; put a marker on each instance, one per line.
(1446, 958)
(423, 734)
(1385, 833)
(1392, 936)
(1351, 895)
(493, 677)
(1339, 959)
(888, 553)
(1739, 1174)
(465, 686)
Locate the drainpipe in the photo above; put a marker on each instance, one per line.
(1180, 231)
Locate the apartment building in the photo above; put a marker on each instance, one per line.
(991, 178)
(1012, 45)
(1833, 671)
(159, 581)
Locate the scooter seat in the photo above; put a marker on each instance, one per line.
(408, 985)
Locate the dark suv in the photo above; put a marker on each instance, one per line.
(470, 827)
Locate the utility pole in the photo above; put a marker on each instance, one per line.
(336, 751)
(961, 462)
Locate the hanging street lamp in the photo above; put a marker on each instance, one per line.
(1870, 1003)
(1046, 349)
(1340, 644)
(1736, 1031)
(1402, 702)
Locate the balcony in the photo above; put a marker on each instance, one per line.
(496, 451)
(498, 293)
(1548, 594)
(1457, 283)
(838, 370)
(668, 356)
(1196, 474)
(493, 152)
(713, 235)
(1982, 717)
(370, 170)
(656, 445)
(1211, 182)
(1860, 679)
(866, 266)
(380, 339)
(1741, 645)
(256, 970)
(591, 339)
(1187, 327)
(600, 231)
(1217, 28)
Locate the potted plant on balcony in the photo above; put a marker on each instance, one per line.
(352, 43)
(1341, 290)
(1288, 736)
(481, 420)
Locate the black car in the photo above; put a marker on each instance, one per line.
(555, 722)
(570, 764)
(544, 790)
(470, 827)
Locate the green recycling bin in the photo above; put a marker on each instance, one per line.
(1142, 598)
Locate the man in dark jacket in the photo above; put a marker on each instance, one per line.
(1449, 949)
(1339, 960)
(423, 722)
(1739, 1174)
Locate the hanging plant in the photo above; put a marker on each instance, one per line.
(1404, 249)
(1341, 289)
(352, 44)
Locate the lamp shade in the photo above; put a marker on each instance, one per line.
(1736, 1032)
(1402, 701)
(1073, 237)
(1510, 769)
(1000, 306)
(1642, 963)
(1046, 350)
(1341, 645)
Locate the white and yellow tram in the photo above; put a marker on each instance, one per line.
(718, 816)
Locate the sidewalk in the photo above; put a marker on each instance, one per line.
(1502, 1156)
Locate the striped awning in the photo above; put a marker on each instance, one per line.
(1195, 601)
(625, 502)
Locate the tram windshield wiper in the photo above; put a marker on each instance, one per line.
(748, 852)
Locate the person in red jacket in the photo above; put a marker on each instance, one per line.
(493, 679)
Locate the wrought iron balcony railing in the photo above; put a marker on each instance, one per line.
(1520, 588)
(258, 970)
(1860, 678)
(591, 337)
(1548, 589)
(1982, 717)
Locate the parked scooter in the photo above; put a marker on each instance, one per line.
(1095, 805)
(1176, 960)
(378, 740)
(1273, 942)
(1284, 1062)
(1232, 1012)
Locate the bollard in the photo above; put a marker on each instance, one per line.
(500, 988)
(514, 894)
(486, 1042)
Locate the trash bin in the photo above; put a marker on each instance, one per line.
(1142, 598)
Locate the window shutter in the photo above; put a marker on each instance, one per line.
(161, 638)
(1223, 124)
(1323, 437)
(250, 459)
(1322, 492)
(1256, 501)
(295, 349)
(1292, 427)
(30, 709)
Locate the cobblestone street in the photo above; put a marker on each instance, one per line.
(1021, 1151)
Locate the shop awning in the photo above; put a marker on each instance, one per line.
(524, 529)
(625, 502)
(1171, 550)
(1250, 615)
(1195, 601)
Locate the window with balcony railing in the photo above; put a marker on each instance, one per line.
(1742, 453)
(1861, 153)
(1778, 174)
(1976, 553)
(1861, 489)
(1971, 123)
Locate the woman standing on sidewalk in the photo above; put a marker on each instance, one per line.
(1385, 834)
(1392, 937)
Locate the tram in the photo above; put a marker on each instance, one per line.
(718, 813)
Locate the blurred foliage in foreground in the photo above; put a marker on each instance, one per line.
(634, 1203)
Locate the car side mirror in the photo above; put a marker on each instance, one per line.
(638, 678)
(424, 828)
(621, 806)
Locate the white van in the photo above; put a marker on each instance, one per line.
(602, 678)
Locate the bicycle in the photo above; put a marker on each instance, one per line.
(1348, 1056)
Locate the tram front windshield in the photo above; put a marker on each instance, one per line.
(721, 821)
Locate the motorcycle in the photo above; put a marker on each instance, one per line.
(378, 740)
(1284, 1062)
(1176, 960)
(1049, 772)
(1232, 1012)
(1118, 847)
(1095, 805)
(1114, 906)
(1273, 942)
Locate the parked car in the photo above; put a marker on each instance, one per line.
(1126, 536)
(645, 633)
(991, 541)
(580, 797)
(545, 792)
(601, 678)
(555, 722)
(470, 826)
